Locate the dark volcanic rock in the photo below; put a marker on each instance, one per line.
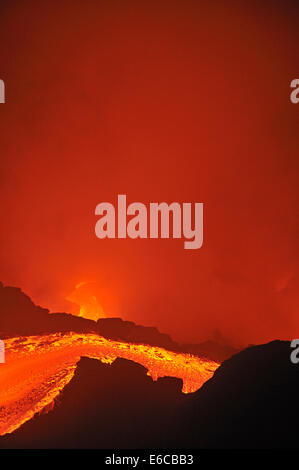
(250, 402)
(116, 328)
(211, 349)
(106, 406)
(19, 316)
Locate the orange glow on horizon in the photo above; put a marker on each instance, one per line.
(84, 296)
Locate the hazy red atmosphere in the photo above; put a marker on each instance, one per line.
(162, 101)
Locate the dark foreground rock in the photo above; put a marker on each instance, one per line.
(251, 402)
(106, 406)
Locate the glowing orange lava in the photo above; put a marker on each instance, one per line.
(37, 368)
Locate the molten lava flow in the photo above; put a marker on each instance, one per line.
(37, 368)
(85, 297)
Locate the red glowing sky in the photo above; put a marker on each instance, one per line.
(162, 101)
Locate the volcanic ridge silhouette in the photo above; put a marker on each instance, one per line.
(250, 402)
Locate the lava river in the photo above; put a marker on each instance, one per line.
(37, 368)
